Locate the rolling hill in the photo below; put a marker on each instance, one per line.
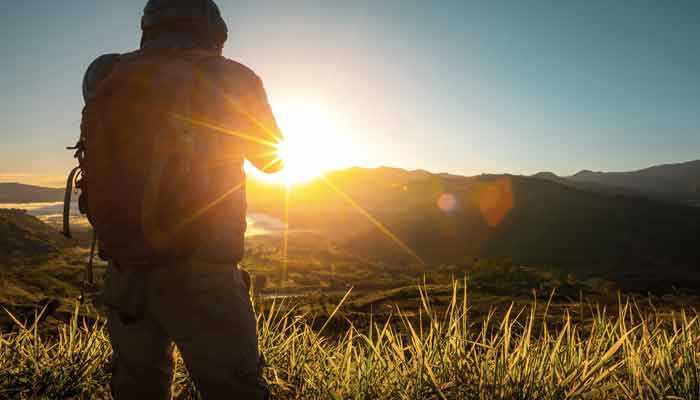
(591, 226)
(531, 221)
(21, 193)
(670, 182)
(23, 236)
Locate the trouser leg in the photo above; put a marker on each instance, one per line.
(142, 357)
(210, 318)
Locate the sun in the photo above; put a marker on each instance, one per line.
(312, 144)
(297, 167)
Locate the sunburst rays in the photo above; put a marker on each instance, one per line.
(275, 144)
(382, 228)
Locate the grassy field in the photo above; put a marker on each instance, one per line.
(496, 331)
(524, 352)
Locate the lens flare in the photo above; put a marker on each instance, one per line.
(447, 202)
(495, 200)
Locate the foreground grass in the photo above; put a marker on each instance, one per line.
(524, 354)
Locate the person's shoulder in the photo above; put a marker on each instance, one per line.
(98, 69)
(227, 70)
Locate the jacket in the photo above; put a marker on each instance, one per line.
(235, 112)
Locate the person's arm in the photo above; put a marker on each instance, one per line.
(261, 149)
(240, 107)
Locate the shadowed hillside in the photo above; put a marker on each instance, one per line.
(587, 227)
(536, 222)
(531, 221)
(21, 193)
(24, 236)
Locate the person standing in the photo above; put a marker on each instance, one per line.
(164, 135)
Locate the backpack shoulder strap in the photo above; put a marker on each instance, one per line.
(66, 201)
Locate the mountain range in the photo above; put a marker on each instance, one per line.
(591, 223)
(12, 192)
(671, 182)
(535, 222)
(591, 228)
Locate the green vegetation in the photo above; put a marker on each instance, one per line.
(24, 236)
(56, 282)
(525, 353)
(67, 365)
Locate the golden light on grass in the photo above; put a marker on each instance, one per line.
(522, 352)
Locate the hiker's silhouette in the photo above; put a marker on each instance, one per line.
(164, 134)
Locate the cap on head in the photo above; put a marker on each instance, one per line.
(202, 15)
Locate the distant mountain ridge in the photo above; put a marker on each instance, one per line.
(678, 182)
(545, 220)
(534, 222)
(20, 193)
(581, 225)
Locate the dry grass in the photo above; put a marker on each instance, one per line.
(525, 354)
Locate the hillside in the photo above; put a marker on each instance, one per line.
(532, 221)
(677, 182)
(331, 205)
(21, 193)
(24, 236)
(545, 220)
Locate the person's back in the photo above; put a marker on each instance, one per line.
(193, 293)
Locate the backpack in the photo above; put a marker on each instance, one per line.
(138, 157)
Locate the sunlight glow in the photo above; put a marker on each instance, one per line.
(312, 144)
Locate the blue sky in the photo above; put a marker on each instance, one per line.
(449, 86)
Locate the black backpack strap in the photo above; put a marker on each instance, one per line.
(66, 201)
(88, 286)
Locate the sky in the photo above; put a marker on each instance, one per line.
(448, 86)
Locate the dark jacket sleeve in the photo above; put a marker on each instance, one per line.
(261, 151)
(235, 101)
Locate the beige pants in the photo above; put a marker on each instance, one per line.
(202, 308)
